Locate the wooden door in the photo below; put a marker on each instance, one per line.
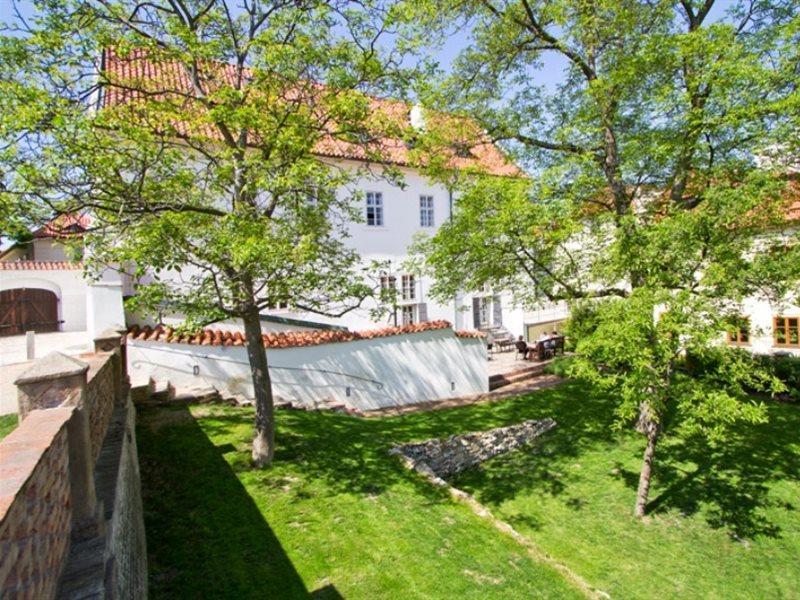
(28, 309)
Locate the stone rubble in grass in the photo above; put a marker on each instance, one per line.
(449, 456)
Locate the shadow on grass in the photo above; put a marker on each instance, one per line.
(732, 480)
(730, 486)
(583, 421)
(205, 535)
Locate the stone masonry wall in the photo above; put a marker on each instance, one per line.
(126, 538)
(71, 518)
(100, 389)
(448, 456)
(35, 516)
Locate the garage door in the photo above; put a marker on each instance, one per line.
(28, 309)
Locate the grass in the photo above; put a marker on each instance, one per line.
(8, 423)
(723, 521)
(337, 517)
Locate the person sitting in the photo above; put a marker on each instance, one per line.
(550, 344)
(522, 348)
(543, 337)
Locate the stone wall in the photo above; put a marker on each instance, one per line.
(99, 388)
(35, 515)
(448, 456)
(71, 519)
(126, 536)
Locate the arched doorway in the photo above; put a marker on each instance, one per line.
(28, 309)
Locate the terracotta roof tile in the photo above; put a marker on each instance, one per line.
(40, 265)
(64, 226)
(134, 76)
(288, 339)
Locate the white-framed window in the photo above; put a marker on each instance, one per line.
(375, 209)
(407, 314)
(426, 211)
(408, 287)
(388, 282)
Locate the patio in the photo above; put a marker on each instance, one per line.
(506, 362)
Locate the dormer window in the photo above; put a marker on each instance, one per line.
(462, 150)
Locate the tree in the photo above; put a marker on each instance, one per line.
(193, 133)
(647, 208)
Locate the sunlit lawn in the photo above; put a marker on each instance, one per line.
(8, 423)
(725, 521)
(335, 517)
(338, 517)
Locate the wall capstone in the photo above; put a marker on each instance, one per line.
(54, 380)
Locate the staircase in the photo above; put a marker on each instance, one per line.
(523, 374)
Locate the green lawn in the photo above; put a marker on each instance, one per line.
(8, 423)
(725, 522)
(337, 517)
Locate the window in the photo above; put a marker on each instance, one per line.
(785, 331)
(426, 211)
(408, 314)
(388, 283)
(408, 289)
(485, 311)
(375, 209)
(739, 332)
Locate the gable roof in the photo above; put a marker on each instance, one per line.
(64, 226)
(134, 76)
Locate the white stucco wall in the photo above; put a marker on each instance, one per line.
(68, 285)
(48, 249)
(390, 371)
(104, 307)
(761, 312)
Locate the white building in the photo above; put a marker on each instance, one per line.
(43, 286)
(392, 216)
(768, 326)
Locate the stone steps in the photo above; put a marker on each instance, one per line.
(504, 379)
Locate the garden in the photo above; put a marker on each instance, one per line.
(337, 516)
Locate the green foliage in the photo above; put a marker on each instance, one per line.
(8, 423)
(787, 370)
(559, 366)
(213, 197)
(647, 209)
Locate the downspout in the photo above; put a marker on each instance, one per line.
(450, 217)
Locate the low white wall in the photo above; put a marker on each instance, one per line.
(104, 307)
(381, 372)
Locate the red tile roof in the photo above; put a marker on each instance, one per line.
(289, 339)
(40, 265)
(134, 76)
(793, 199)
(63, 226)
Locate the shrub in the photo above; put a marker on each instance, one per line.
(559, 366)
(787, 369)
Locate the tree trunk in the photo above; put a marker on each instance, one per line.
(651, 428)
(264, 440)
